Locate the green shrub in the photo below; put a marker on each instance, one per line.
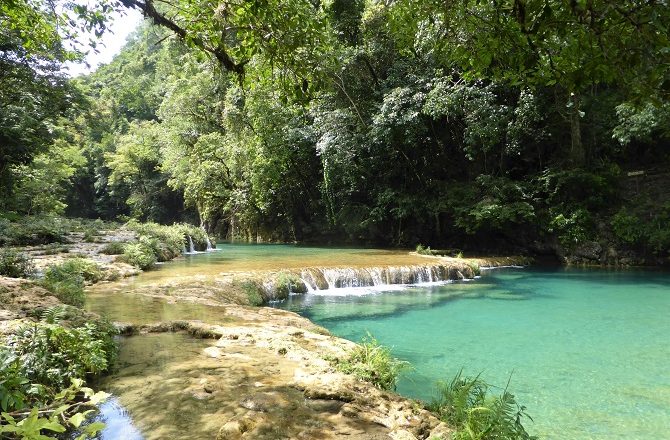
(66, 280)
(467, 405)
(113, 248)
(16, 265)
(53, 355)
(372, 362)
(33, 230)
(14, 386)
(253, 292)
(626, 227)
(140, 255)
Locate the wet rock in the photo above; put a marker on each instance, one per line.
(321, 405)
(341, 395)
(441, 432)
(265, 402)
(590, 250)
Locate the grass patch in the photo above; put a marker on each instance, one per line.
(372, 362)
(468, 405)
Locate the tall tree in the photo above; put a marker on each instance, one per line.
(575, 45)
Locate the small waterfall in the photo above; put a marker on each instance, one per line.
(318, 279)
(183, 250)
(210, 248)
(191, 248)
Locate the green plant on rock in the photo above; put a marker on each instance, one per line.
(467, 405)
(286, 283)
(16, 265)
(372, 362)
(140, 255)
(52, 354)
(113, 248)
(66, 280)
(253, 292)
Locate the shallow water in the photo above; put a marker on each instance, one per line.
(587, 350)
(230, 258)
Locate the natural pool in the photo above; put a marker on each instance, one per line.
(587, 351)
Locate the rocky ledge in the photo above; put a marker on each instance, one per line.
(267, 374)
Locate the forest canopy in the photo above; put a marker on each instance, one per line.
(490, 125)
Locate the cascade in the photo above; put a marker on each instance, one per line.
(191, 248)
(317, 278)
(210, 248)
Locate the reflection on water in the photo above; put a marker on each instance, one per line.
(140, 309)
(587, 350)
(118, 424)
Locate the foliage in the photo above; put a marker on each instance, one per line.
(38, 363)
(33, 230)
(372, 362)
(468, 405)
(52, 354)
(113, 248)
(16, 265)
(66, 280)
(14, 386)
(140, 255)
(253, 292)
(65, 412)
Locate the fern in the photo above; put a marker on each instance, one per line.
(465, 404)
(54, 315)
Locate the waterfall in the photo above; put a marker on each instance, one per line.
(183, 250)
(210, 248)
(318, 279)
(191, 248)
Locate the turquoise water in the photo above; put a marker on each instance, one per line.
(588, 351)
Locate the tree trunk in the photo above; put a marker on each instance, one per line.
(577, 154)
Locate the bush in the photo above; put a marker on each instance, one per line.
(53, 355)
(37, 364)
(113, 248)
(627, 227)
(140, 255)
(66, 280)
(33, 230)
(253, 292)
(372, 362)
(16, 265)
(14, 386)
(466, 405)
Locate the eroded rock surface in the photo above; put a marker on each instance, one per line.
(263, 375)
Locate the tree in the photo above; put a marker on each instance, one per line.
(289, 33)
(574, 45)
